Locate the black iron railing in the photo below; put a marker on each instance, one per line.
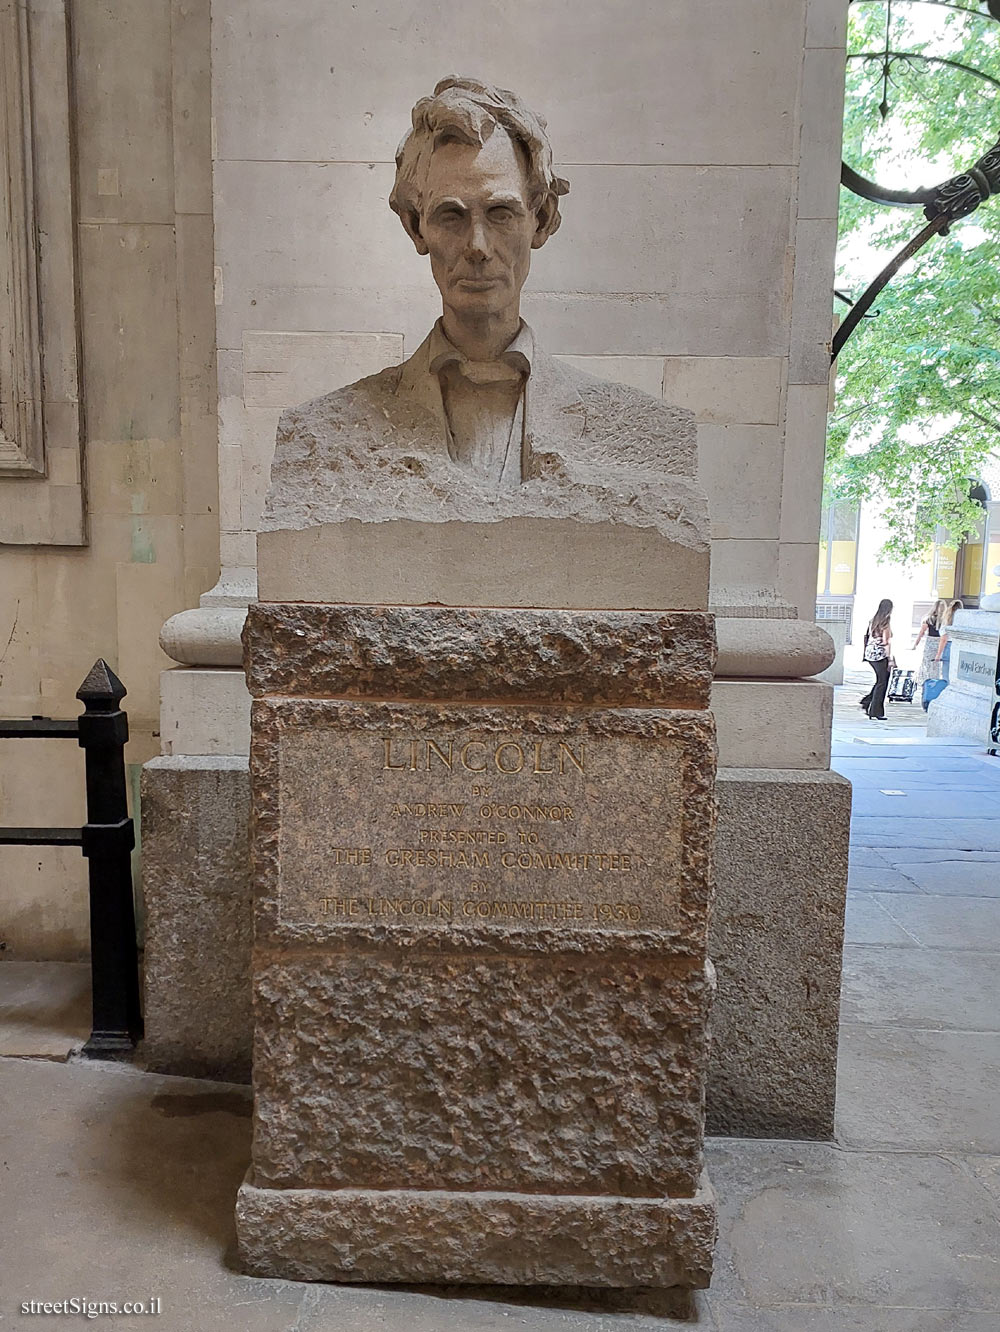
(107, 840)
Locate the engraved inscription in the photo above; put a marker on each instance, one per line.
(538, 757)
(393, 828)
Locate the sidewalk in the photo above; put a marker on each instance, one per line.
(116, 1184)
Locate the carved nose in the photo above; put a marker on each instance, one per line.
(479, 246)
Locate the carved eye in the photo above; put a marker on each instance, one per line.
(501, 213)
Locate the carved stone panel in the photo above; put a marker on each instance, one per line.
(41, 472)
(22, 446)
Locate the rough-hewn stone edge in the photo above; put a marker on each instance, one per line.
(271, 717)
(482, 945)
(488, 941)
(360, 1235)
(773, 1069)
(497, 654)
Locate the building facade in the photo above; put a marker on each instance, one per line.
(229, 168)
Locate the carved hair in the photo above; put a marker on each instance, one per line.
(469, 111)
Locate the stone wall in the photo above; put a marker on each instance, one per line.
(142, 224)
(695, 260)
(701, 141)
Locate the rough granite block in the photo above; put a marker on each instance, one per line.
(597, 658)
(388, 1068)
(509, 1239)
(768, 1075)
(480, 922)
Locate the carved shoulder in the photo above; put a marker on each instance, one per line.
(638, 430)
(313, 424)
(319, 438)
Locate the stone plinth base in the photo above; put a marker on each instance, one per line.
(204, 710)
(199, 922)
(773, 723)
(414, 1236)
(482, 858)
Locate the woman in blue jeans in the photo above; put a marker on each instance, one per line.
(944, 646)
(878, 655)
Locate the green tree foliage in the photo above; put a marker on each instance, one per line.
(918, 386)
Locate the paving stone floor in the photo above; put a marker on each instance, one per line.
(116, 1184)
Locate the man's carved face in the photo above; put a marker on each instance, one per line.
(477, 225)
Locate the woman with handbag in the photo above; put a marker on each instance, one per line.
(878, 655)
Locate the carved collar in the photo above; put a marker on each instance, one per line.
(513, 363)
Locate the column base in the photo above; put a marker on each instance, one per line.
(777, 939)
(415, 1236)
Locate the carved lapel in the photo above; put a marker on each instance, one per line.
(554, 412)
(418, 389)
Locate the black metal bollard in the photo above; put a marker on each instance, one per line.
(108, 839)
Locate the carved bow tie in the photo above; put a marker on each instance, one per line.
(512, 366)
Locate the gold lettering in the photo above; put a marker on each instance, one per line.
(464, 756)
(601, 861)
(566, 753)
(339, 906)
(387, 742)
(461, 836)
(538, 759)
(543, 911)
(529, 910)
(445, 759)
(436, 858)
(557, 813)
(352, 855)
(509, 757)
(519, 759)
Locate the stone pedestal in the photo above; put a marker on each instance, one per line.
(482, 848)
(965, 708)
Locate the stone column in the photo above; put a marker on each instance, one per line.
(781, 856)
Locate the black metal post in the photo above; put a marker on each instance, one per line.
(108, 839)
(994, 740)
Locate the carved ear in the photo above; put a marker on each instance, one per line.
(411, 221)
(545, 221)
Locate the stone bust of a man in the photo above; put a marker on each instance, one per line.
(479, 423)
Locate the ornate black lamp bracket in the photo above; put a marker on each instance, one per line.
(955, 198)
